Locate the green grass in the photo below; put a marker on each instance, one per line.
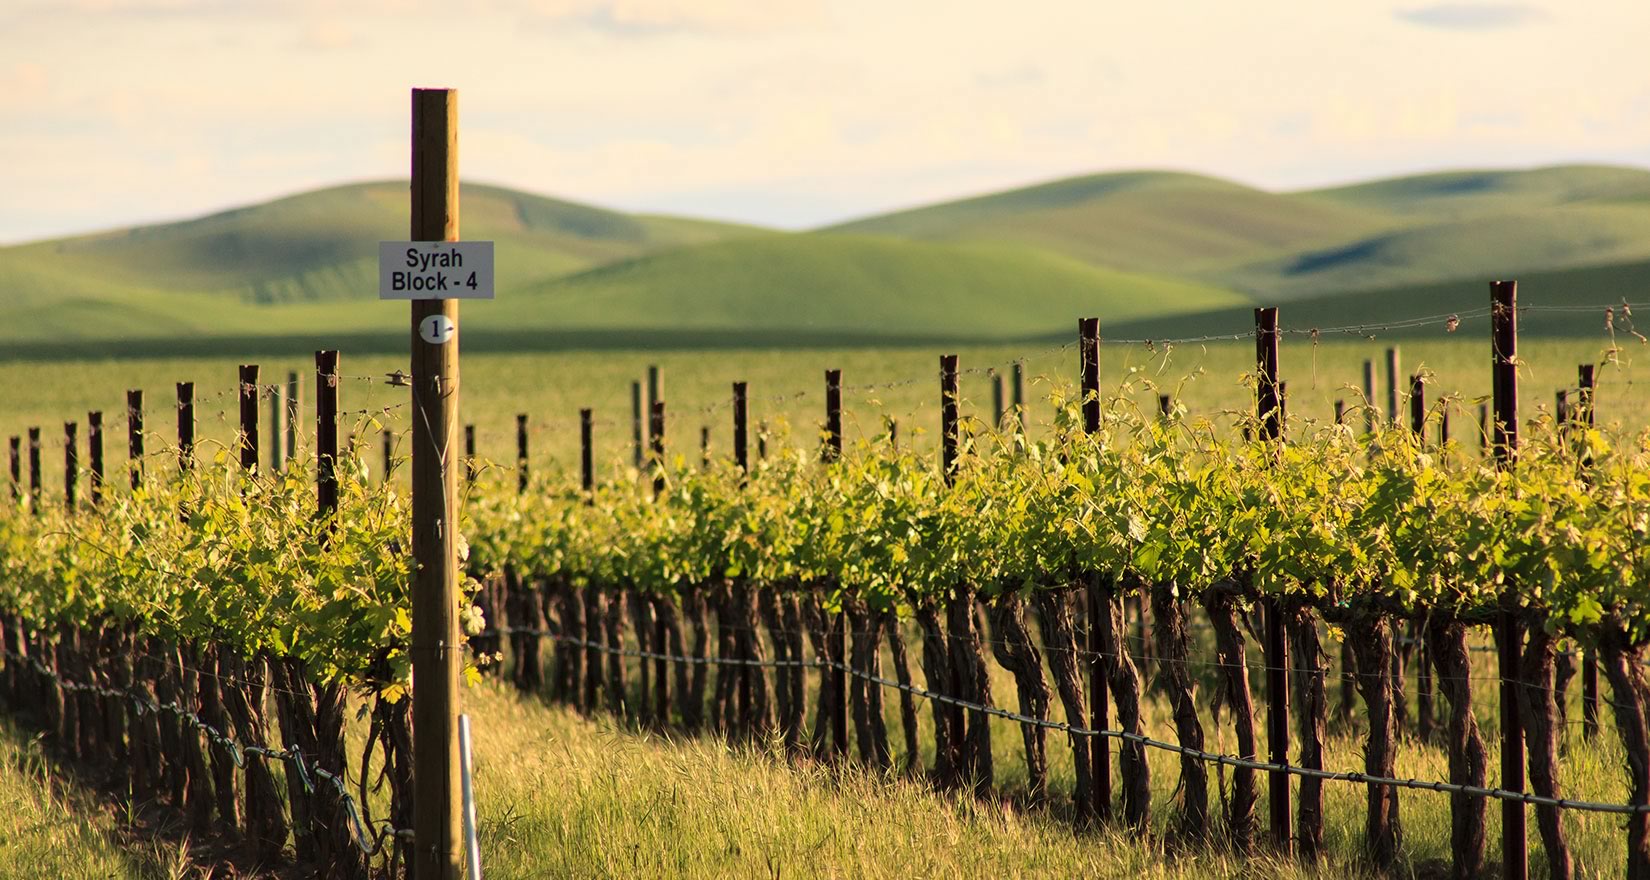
(53, 829)
(562, 796)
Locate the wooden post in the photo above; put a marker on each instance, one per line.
(1509, 634)
(521, 453)
(587, 455)
(94, 455)
(1165, 405)
(741, 412)
(186, 426)
(1561, 407)
(1589, 657)
(1340, 411)
(996, 400)
(71, 463)
(656, 431)
(636, 423)
(893, 433)
(326, 433)
(1369, 396)
(16, 469)
(831, 454)
(1099, 596)
(1392, 385)
(470, 468)
(1017, 395)
(293, 391)
(1484, 439)
(436, 641)
(134, 436)
(948, 416)
(1270, 412)
(249, 417)
(277, 434)
(1423, 657)
(34, 468)
(762, 441)
(387, 438)
(704, 447)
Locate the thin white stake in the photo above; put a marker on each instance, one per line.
(471, 845)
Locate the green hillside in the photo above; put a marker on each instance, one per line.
(1142, 221)
(1452, 195)
(853, 287)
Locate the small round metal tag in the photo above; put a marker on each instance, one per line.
(437, 329)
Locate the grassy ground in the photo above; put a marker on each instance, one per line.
(51, 828)
(564, 796)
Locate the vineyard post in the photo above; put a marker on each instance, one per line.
(704, 447)
(1392, 385)
(1016, 395)
(1484, 429)
(636, 422)
(741, 411)
(1423, 657)
(1269, 401)
(249, 417)
(292, 409)
(521, 453)
(1099, 594)
(1165, 405)
(326, 433)
(1369, 396)
(34, 469)
(134, 435)
(1561, 408)
(1508, 635)
(186, 426)
(762, 441)
(893, 433)
(71, 462)
(16, 469)
(996, 400)
(655, 392)
(387, 438)
(656, 435)
(587, 458)
(948, 417)
(277, 409)
(94, 455)
(470, 469)
(832, 453)
(436, 641)
(1589, 658)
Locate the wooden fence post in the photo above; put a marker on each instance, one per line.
(1589, 659)
(277, 433)
(741, 411)
(134, 436)
(587, 455)
(470, 467)
(1423, 658)
(1369, 396)
(996, 400)
(1392, 412)
(94, 455)
(636, 424)
(521, 453)
(656, 435)
(436, 639)
(34, 468)
(1270, 403)
(1509, 634)
(838, 645)
(704, 447)
(293, 408)
(71, 462)
(326, 433)
(186, 426)
(1099, 593)
(387, 439)
(249, 417)
(1017, 395)
(16, 469)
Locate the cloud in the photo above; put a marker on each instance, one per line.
(1470, 16)
(652, 17)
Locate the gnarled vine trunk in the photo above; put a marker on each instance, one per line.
(936, 670)
(1220, 602)
(907, 702)
(1016, 653)
(1623, 663)
(1125, 696)
(1371, 637)
(1447, 648)
(1312, 714)
(1535, 704)
(1175, 677)
(969, 677)
(1054, 618)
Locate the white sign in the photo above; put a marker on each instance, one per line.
(437, 329)
(435, 270)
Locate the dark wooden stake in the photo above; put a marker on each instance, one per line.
(996, 401)
(741, 412)
(277, 434)
(71, 462)
(387, 438)
(186, 426)
(470, 467)
(326, 433)
(94, 455)
(833, 416)
(134, 435)
(1509, 634)
(831, 454)
(656, 430)
(34, 468)
(1099, 591)
(16, 469)
(1369, 396)
(293, 408)
(637, 441)
(587, 455)
(704, 447)
(249, 417)
(1589, 659)
(1392, 385)
(1016, 395)
(1423, 658)
(1270, 404)
(521, 452)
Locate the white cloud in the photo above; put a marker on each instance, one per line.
(1471, 16)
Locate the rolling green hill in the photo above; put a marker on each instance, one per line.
(1136, 248)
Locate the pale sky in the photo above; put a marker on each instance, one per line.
(791, 112)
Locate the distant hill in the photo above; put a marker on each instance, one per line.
(1134, 248)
